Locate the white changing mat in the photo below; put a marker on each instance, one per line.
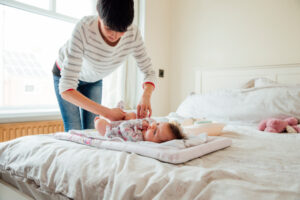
(174, 151)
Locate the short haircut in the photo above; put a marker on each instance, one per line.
(116, 14)
(176, 131)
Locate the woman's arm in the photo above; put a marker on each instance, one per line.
(78, 99)
(145, 65)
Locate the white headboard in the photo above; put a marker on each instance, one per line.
(208, 80)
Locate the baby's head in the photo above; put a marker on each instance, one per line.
(162, 132)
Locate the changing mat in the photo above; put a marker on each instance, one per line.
(174, 151)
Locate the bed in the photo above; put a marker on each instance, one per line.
(258, 165)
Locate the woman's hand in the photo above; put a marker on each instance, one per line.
(115, 114)
(144, 107)
(145, 124)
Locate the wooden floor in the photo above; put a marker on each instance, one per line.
(11, 131)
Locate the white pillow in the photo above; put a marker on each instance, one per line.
(262, 82)
(259, 82)
(244, 105)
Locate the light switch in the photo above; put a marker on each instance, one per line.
(161, 73)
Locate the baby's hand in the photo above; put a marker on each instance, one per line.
(145, 124)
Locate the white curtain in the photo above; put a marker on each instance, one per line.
(114, 87)
(124, 84)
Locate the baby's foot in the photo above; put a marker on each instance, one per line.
(96, 118)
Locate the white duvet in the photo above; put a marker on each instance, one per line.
(258, 165)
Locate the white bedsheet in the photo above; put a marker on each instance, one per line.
(258, 165)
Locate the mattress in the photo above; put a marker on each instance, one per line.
(258, 165)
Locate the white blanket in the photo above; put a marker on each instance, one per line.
(174, 151)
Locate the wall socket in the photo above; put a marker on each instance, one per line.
(161, 73)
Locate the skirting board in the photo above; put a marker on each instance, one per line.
(208, 80)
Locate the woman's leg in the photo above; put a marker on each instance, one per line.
(69, 112)
(92, 91)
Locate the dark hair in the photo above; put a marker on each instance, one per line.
(116, 14)
(176, 131)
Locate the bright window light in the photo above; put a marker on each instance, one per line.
(29, 45)
(37, 3)
(75, 8)
(31, 34)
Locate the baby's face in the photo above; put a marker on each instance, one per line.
(158, 132)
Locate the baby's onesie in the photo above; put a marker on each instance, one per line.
(129, 130)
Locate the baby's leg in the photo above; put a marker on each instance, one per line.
(130, 116)
(100, 125)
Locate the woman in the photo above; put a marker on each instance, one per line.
(98, 46)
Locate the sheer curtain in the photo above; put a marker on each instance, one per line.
(124, 83)
(114, 87)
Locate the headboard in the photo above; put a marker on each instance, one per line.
(210, 79)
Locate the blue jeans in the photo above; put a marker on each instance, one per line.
(73, 116)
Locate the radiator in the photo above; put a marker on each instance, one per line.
(11, 131)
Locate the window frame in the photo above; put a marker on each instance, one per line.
(51, 12)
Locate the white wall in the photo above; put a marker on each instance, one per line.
(182, 35)
(230, 33)
(157, 41)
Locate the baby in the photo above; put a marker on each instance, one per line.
(132, 129)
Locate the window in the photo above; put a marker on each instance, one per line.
(66, 7)
(31, 33)
(40, 3)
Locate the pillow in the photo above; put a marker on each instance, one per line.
(244, 105)
(258, 82)
(262, 82)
